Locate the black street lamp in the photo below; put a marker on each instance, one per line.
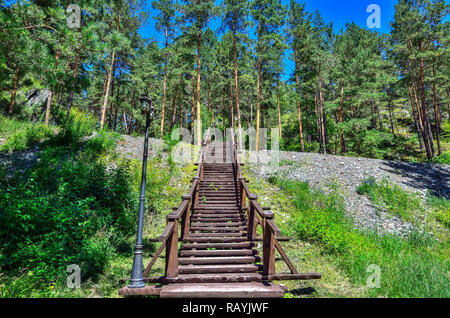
(137, 275)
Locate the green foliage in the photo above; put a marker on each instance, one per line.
(391, 196)
(103, 142)
(442, 208)
(444, 158)
(78, 125)
(400, 202)
(69, 211)
(21, 135)
(412, 267)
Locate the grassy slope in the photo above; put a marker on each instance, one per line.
(413, 267)
(165, 185)
(307, 256)
(322, 241)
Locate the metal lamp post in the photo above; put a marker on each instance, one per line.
(137, 275)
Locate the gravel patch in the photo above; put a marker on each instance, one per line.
(348, 172)
(19, 162)
(133, 148)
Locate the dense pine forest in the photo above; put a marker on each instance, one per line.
(356, 92)
(72, 127)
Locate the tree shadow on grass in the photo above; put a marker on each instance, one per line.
(305, 291)
(432, 177)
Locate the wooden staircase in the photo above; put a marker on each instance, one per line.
(218, 255)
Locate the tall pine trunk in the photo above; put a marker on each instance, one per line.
(108, 85)
(278, 105)
(166, 59)
(108, 82)
(199, 126)
(72, 92)
(341, 133)
(14, 91)
(236, 85)
(258, 103)
(299, 109)
(50, 97)
(174, 109)
(429, 136)
(232, 123)
(321, 114)
(193, 105)
(436, 112)
(416, 120)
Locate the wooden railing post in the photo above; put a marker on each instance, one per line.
(268, 245)
(251, 227)
(172, 248)
(186, 219)
(242, 192)
(195, 199)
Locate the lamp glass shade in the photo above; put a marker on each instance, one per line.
(144, 103)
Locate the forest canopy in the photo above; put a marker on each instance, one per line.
(354, 92)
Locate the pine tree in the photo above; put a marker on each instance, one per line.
(269, 15)
(196, 15)
(235, 18)
(165, 23)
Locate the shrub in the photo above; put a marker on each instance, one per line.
(67, 212)
(77, 126)
(442, 209)
(444, 158)
(103, 142)
(27, 136)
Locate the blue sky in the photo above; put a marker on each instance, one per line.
(339, 12)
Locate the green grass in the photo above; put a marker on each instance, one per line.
(22, 135)
(391, 196)
(78, 205)
(411, 267)
(433, 213)
(441, 207)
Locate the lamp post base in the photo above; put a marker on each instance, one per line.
(149, 290)
(136, 283)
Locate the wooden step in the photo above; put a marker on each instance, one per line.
(207, 219)
(204, 269)
(217, 201)
(210, 214)
(218, 224)
(223, 191)
(223, 290)
(211, 210)
(219, 218)
(228, 199)
(226, 234)
(208, 191)
(230, 277)
(204, 210)
(214, 239)
(218, 260)
(219, 245)
(216, 182)
(218, 228)
(218, 205)
(209, 253)
(207, 278)
(231, 195)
